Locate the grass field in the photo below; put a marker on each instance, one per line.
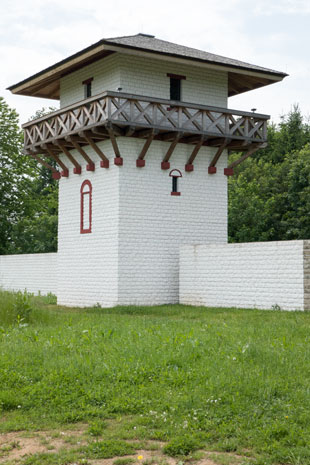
(182, 381)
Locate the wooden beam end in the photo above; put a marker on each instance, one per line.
(165, 165)
(56, 175)
(228, 171)
(212, 170)
(140, 163)
(189, 167)
(77, 170)
(104, 164)
(90, 167)
(65, 173)
(118, 161)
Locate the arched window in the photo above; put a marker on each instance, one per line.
(175, 174)
(86, 207)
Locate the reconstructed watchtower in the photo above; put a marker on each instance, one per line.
(141, 142)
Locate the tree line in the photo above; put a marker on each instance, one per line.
(268, 197)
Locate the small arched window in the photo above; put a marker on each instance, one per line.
(86, 207)
(175, 174)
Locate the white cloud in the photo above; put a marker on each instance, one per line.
(36, 34)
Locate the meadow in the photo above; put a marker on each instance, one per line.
(184, 381)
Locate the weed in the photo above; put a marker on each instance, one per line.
(108, 449)
(182, 445)
(124, 461)
(96, 428)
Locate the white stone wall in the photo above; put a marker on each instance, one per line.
(131, 255)
(148, 77)
(153, 223)
(88, 263)
(105, 74)
(250, 275)
(33, 272)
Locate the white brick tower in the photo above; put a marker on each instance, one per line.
(140, 146)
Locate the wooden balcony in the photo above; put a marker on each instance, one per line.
(112, 114)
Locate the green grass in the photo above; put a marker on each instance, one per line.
(217, 379)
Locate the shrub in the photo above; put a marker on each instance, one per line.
(182, 445)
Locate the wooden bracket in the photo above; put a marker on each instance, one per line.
(189, 165)
(212, 166)
(118, 159)
(104, 163)
(165, 164)
(250, 152)
(140, 162)
(77, 167)
(90, 164)
(65, 172)
(55, 173)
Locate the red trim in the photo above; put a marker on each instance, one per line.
(104, 164)
(189, 167)
(87, 81)
(178, 175)
(88, 193)
(175, 193)
(118, 161)
(77, 170)
(165, 165)
(212, 169)
(56, 175)
(90, 167)
(140, 163)
(65, 173)
(176, 76)
(228, 171)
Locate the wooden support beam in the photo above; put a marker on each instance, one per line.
(189, 165)
(65, 172)
(55, 173)
(118, 159)
(90, 164)
(104, 163)
(140, 162)
(219, 152)
(250, 152)
(165, 165)
(77, 167)
(129, 131)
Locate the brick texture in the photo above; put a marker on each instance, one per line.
(34, 272)
(250, 275)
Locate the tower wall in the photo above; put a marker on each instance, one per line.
(153, 223)
(88, 263)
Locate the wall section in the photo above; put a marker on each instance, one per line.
(33, 272)
(249, 275)
(153, 223)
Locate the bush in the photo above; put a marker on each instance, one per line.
(21, 307)
(183, 445)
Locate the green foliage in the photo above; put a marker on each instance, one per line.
(226, 379)
(22, 308)
(269, 196)
(29, 194)
(181, 445)
(108, 449)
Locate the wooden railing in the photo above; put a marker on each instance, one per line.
(138, 112)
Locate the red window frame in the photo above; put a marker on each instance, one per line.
(86, 191)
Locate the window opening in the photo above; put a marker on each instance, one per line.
(87, 87)
(175, 86)
(86, 207)
(175, 175)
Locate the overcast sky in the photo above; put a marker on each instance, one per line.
(35, 34)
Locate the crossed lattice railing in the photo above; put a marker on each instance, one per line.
(146, 112)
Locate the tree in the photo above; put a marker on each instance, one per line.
(28, 193)
(269, 196)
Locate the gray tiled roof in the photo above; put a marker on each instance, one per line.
(151, 44)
